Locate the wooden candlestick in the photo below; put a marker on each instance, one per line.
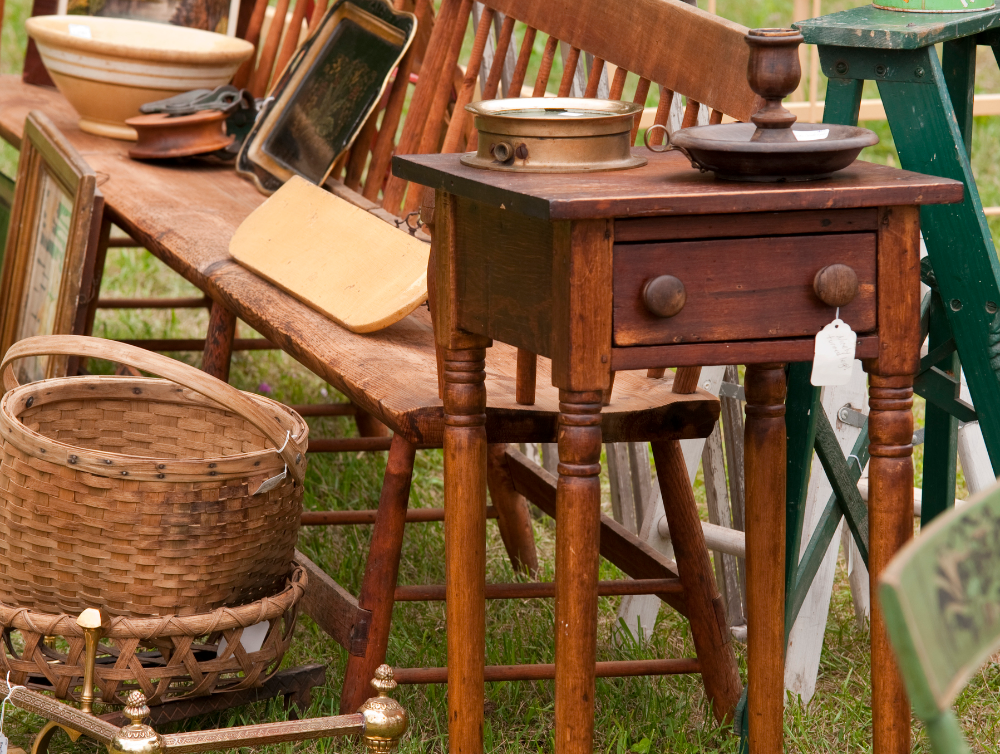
(773, 72)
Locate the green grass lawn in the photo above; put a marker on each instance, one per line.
(636, 714)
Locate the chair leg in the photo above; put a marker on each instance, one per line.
(513, 515)
(218, 352)
(369, 426)
(706, 612)
(381, 572)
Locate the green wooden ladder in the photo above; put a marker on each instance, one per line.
(928, 104)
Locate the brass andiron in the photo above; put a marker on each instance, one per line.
(381, 721)
(137, 737)
(385, 718)
(90, 621)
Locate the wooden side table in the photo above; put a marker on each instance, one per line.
(558, 265)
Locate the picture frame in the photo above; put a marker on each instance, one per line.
(209, 15)
(50, 253)
(326, 93)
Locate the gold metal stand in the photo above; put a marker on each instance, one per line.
(381, 721)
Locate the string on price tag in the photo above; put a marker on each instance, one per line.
(3, 712)
(833, 359)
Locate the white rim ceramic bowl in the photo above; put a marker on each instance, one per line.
(108, 67)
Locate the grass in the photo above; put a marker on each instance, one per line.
(633, 715)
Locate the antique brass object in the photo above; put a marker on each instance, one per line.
(137, 737)
(41, 743)
(381, 721)
(554, 135)
(90, 621)
(385, 719)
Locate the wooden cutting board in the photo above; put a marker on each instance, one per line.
(339, 259)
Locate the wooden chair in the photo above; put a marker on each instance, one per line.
(707, 60)
(940, 598)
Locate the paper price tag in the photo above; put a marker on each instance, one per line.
(811, 135)
(3, 744)
(833, 360)
(80, 30)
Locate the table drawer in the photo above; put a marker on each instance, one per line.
(740, 289)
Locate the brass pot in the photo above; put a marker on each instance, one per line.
(554, 135)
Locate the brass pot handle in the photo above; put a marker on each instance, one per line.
(666, 135)
(671, 146)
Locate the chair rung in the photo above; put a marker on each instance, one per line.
(535, 590)
(203, 302)
(325, 409)
(348, 444)
(352, 518)
(613, 669)
(196, 344)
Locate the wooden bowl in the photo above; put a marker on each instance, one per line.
(108, 67)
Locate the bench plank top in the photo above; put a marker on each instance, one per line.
(186, 216)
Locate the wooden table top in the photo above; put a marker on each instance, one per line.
(186, 214)
(668, 185)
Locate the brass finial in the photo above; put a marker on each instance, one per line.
(90, 621)
(385, 719)
(136, 738)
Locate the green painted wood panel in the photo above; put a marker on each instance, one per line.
(891, 30)
(941, 601)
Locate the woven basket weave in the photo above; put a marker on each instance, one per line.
(136, 496)
(167, 658)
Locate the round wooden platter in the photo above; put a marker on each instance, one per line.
(162, 136)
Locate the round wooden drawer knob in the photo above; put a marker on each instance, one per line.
(664, 296)
(836, 285)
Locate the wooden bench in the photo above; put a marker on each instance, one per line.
(391, 374)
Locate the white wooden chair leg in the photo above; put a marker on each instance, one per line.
(624, 506)
(732, 432)
(805, 641)
(719, 513)
(972, 453)
(550, 457)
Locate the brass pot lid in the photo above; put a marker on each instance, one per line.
(554, 135)
(554, 116)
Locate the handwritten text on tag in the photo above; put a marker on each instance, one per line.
(833, 360)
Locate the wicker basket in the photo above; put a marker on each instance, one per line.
(141, 496)
(167, 658)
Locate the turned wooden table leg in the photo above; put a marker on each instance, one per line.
(218, 352)
(765, 554)
(381, 573)
(465, 544)
(578, 518)
(890, 526)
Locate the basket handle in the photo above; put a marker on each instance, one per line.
(187, 376)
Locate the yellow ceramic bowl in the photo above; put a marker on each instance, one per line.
(108, 67)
